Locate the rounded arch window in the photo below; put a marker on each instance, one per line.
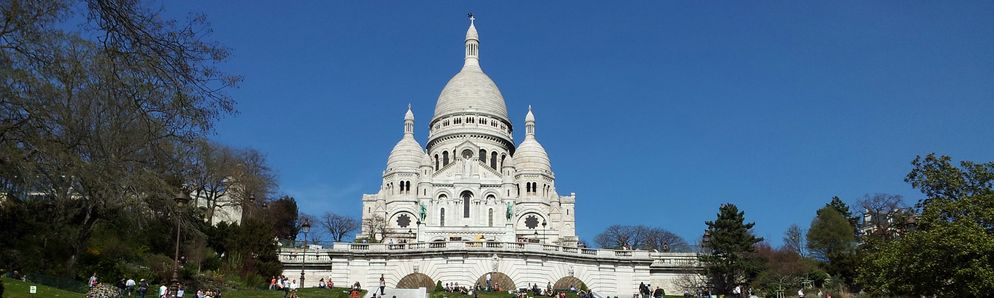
(465, 195)
(467, 154)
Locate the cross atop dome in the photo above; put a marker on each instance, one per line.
(471, 17)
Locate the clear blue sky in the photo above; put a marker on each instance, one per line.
(652, 112)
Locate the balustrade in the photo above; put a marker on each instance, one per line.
(315, 254)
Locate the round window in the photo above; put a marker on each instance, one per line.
(467, 154)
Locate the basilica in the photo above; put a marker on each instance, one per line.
(473, 207)
(469, 182)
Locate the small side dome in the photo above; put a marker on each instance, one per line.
(530, 157)
(407, 155)
(426, 160)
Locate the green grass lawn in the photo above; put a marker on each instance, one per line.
(18, 289)
(304, 293)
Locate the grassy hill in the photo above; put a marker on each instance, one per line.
(18, 289)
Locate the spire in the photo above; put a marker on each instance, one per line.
(529, 123)
(472, 45)
(409, 121)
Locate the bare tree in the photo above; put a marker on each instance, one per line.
(885, 215)
(615, 236)
(640, 237)
(95, 123)
(793, 239)
(222, 176)
(693, 283)
(375, 226)
(662, 240)
(339, 226)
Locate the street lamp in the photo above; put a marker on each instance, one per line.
(543, 231)
(181, 199)
(416, 236)
(304, 227)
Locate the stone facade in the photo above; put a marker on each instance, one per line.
(605, 272)
(470, 182)
(470, 203)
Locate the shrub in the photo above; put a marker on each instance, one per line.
(104, 291)
(438, 286)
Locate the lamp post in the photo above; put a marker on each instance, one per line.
(543, 231)
(418, 235)
(181, 200)
(304, 227)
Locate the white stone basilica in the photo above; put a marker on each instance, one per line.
(470, 206)
(472, 183)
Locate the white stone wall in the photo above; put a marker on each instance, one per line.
(606, 272)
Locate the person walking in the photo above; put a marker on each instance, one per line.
(142, 288)
(163, 291)
(800, 293)
(383, 285)
(130, 286)
(489, 288)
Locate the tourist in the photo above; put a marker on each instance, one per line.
(142, 288)
(383, 285)
(272, 283)
(488, 282)
(129, 286)
(180, 291)
(321, 283)
(800, 293)
(163, 291)
(330, 283)
(293, 289)
(93, 280)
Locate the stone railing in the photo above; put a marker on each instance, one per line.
(296, 255)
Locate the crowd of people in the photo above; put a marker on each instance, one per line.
(646, 290)
(129, 287)
(289, 286)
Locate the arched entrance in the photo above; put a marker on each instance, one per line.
(498, 281)
(569, 282)
(416, 280)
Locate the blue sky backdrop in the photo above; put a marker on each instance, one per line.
(653, 112)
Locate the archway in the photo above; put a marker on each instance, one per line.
(416, 280)
(569, 282)
(498, 281)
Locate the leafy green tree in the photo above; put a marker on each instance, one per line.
(846, 212)
(729, 255)
(284, 215)
(950, 251)
(832, 241)
(785, 269)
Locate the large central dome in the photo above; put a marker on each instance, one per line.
(471, 90)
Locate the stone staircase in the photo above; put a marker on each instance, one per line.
(399, 293)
